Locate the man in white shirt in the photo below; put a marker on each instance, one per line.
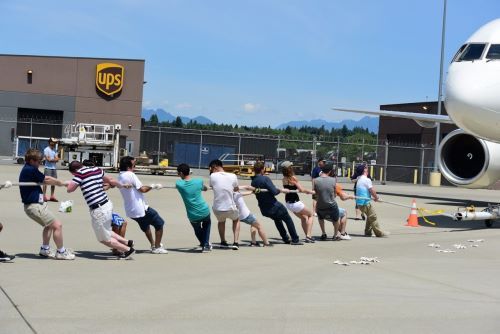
(50, 158)
(137, 209)
(364, 192)
(224, 185)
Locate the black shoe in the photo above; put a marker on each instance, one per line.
(127, 254)
(224, 244)
(256, 244)
(296, 243)
(130, 243)
(323, 237)
(236, 246)
(363, 217)
(287, 241)
(4, 257)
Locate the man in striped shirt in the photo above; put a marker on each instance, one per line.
(91, 180)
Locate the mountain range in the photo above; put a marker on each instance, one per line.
(165, 116)
(366, 122)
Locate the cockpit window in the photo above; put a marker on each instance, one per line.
(493, 52)
(459, 52)
(471, 52)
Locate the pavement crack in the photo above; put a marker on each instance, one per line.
(18, 310)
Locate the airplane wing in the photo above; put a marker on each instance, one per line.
(424, 120)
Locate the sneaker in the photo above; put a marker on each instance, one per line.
(309, 240)
(345, 236)
(116, 252)
(268, 245)
(287, 241)
(323, 237)
(47, 253)
(131, 243)
(128, 253)
(384, 235)
(159, 250)
(224, 244)
(236, 246)
(66, 255)
(337, 238)
(206, 249)
(254, 244)
(296, 243)
(4, 257)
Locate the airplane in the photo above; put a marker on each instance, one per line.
(469, 156)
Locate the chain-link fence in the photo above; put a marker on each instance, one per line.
(387, 161)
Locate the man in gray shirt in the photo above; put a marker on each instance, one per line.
(326, 206)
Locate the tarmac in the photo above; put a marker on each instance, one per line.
(283, 289)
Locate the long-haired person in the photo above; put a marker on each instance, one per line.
(293, 202)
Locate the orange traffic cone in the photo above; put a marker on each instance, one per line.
(413, 218)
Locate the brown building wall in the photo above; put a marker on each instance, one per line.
(70, 82)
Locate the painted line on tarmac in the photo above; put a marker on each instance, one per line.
(18, 310)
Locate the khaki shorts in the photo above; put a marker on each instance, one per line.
(39, 213)
(101, 221)
(223, 215)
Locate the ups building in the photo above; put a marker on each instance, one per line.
(40, 96)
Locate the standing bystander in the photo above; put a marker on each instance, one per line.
(50, 158)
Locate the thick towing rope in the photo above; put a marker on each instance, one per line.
(422, 211)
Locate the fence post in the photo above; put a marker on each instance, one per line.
(159, 143)
(201, 147)
(277, 158)
(386, 160)
(31, 130)
(422, 157)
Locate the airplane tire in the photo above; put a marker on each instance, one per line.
(488, 223)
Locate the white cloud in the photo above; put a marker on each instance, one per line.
(251, 107)
(183, 105)
(146, 104)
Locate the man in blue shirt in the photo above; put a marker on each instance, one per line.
(271, 208)
(36, 208)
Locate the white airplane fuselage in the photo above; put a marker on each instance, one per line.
(473, 84)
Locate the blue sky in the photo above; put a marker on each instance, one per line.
(256, 62)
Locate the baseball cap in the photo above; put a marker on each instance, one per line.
(286, 164)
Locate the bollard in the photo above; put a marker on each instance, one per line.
(371, 172)
(415, 176)
(349, 172)
(381, 174)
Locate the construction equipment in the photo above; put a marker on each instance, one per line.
(242, 164)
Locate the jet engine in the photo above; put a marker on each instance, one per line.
(467, 161)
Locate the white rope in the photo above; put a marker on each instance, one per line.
(382, 201)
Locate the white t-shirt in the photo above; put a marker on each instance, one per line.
(241, 205)
(363, 186)
(223, 185)
(133, 199)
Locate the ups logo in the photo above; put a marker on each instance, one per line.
(109, 78)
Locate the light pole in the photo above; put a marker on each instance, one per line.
(440, 93)
(435, 177)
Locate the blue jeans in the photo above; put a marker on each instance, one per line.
(202, 230)
(279, 214)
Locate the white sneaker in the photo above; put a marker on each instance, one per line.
(345, 236)
(159, 250)
(66, 255)
(48, 253)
